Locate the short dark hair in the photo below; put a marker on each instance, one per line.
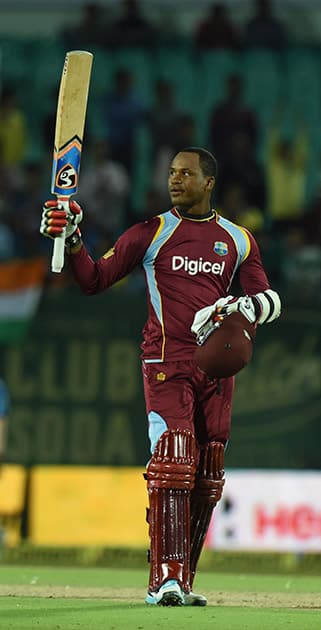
(207, 160)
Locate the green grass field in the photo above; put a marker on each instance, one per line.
(113, 599)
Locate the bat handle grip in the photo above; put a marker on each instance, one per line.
(58, 256)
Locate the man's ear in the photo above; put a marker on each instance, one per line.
(210, 183)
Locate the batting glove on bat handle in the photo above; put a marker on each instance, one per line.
(60, 217)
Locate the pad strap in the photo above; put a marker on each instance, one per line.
(170, 479)
(208, 490)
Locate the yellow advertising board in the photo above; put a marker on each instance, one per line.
(12, 501)
(77, 505)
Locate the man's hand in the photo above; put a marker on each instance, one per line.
(202, 317)
(260, 308)
(54, 218)
(222, 308)
(243, 305)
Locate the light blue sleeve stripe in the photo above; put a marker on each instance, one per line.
(238, 236)
(170, 223)
(156, 427)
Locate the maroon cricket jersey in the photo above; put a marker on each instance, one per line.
(188, 263)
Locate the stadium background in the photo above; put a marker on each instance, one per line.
(77, 436)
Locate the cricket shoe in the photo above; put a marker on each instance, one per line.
(193, 599)
(169, 593)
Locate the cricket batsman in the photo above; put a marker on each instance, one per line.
(190, 255)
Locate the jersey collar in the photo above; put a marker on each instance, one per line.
(204, 217)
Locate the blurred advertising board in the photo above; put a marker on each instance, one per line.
(259, 510)
(268, 510)
(78, 505)
(12, 503)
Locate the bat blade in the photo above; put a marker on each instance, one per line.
(70, 123)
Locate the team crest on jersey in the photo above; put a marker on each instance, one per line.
(220, 248)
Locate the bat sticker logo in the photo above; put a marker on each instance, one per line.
(67, 177)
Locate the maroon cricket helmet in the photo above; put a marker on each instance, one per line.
(229, 347)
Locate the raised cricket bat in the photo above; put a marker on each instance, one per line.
(70, 122)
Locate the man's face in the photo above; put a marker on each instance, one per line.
(187, 183)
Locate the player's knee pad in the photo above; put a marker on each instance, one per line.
(207, 492)
(210, 480)
(172, 465)
(170, 479)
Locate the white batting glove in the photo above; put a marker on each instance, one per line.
(261, 308)
(243, 305)
(204, 314)
(54, 218)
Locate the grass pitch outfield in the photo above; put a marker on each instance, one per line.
(113, 599)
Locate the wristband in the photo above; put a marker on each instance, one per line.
(73, 243)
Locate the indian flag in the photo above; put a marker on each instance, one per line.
(21, 283)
